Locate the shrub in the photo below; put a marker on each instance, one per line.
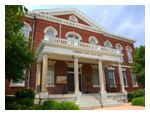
(65, 105)
(134, 94)
(140, 101)
(26, 101)
(9, 99)
(14, 106)
(25, 93)
(50, 105)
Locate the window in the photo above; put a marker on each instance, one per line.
(25, 31)
(92, 41)
(73, 18)
(129, 54)
(107, 44)
(50, 33)
(50, 75)
(124, 78)
(95, 77)
(133, 77)
(120, 50)
(19, 82)
(111, 78)
(73, 36)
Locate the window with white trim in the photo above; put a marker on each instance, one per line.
(50, 75)
(120, 51)
(50, 33)
(129, 54)
(92, 41)
(19, 82)
(112, 78)
(73, 36)
(124, 78)
(95, 75)
(133, 77)
(25, 31)
(107, 44)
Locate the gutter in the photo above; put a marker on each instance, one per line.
(31, 49)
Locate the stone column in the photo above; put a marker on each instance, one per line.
(76, 77)
(121, 78)
(101, 78)
(38, 74)
(44, 73)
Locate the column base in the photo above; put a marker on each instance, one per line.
(125, 93)
(44, 95)
(78, 95)
(103, 93)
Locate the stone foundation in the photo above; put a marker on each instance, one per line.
(120, 97)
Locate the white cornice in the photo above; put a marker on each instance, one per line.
(71, 11)
(46, 16)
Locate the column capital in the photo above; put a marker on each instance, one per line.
(75, 56)
(100, 59)
(119, 62)
(45, 52)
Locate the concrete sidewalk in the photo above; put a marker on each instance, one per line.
(126, 106)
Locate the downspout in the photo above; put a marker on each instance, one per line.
(60, 31)
(103, 39)
(31, 49)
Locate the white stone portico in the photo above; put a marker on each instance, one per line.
(76, 51)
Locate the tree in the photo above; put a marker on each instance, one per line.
(139, 65)
(18, 55)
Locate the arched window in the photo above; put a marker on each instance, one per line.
(107, 44)
(119, 47)
(73, 18)
(50, 33)
(73, 36)
(129, 50)
(26, 29)
(93, 40)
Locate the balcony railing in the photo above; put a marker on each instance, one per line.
(79, 44)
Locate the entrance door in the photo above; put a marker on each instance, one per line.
(70, 81)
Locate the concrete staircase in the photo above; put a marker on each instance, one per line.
(88, 101)
(91, 101)
(110, 102)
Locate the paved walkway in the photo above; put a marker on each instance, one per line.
(126, 106)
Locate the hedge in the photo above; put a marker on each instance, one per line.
(140, 101)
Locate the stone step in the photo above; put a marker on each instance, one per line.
(87, 103)
(90, 107)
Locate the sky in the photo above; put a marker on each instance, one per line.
(124, 20)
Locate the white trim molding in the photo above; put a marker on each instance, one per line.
(51, 28)
(72, 16)
(92, 37)
(25, 23)
(119, 45)
(123, 69)
(129, 47)
(107, 42)
(72, 64)
(51, 62)
(110, 68)
(74, 33)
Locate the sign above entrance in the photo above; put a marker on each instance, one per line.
(61, 79)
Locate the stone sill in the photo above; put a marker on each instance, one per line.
(16, 85)
(50, 85)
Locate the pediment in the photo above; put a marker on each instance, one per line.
(66, 13)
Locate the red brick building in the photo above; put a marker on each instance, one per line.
(76, 55)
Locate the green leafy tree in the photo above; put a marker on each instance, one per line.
(18, 55)
(139, 65)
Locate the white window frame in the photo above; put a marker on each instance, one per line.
(124, 70)
(52, 63)
(94, 38)
(112, 69)
(18, 84)
(133, 79)
(129, 54)
(96, 76)
(120, 51)
(108, 43)
(73, 33)
(72, 16)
